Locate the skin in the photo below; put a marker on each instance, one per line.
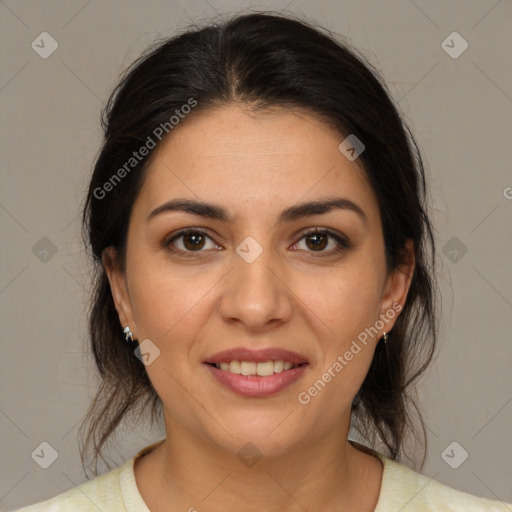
(255, 165)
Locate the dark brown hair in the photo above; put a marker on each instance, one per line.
(262, 60)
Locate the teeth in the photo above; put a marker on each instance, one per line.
(264, 369)
(252, 368)
(247, 368)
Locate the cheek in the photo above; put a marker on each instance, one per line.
(345, 356)
(170, 310)
(170, 314)
(347, 300)
(167, 300)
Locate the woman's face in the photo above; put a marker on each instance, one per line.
(255, 280)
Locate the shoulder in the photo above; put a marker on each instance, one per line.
(406, 490)
(115, 491)
(101, 493)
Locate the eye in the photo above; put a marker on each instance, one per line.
(189, 240)
(317, 240)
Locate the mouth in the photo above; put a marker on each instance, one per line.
(256, 373)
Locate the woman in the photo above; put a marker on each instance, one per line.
(265, 277)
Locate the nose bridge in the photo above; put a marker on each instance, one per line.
(255, 293)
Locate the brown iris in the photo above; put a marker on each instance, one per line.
(193, 241)
(319, 241)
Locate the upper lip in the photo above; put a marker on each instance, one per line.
(256, 356)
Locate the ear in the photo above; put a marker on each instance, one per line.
(119, 289)
(397, 286)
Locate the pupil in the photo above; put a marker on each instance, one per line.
(319, 240)
(193, 241)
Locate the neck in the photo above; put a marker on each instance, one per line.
(190, 473)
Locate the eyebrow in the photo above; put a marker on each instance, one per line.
(290, 214)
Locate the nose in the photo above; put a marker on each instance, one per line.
(255, 294)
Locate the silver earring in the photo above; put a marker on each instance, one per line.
(128, 334)
(385, 337)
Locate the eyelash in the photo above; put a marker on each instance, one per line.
(343, 243)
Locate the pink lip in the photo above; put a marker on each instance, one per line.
(254, 385)
(256, 356)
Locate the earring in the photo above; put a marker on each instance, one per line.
(128, 334)
(385, 337)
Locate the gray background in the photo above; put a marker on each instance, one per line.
(460, 110)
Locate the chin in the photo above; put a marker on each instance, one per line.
(268, 435)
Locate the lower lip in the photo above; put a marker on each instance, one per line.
(255, 386)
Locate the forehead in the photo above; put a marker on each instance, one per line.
(235, 156)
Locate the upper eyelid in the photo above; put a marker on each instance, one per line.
(185, 231)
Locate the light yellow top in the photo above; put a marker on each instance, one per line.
(402, 489)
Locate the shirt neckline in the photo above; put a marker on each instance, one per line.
(134, 502)
(130, 494)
